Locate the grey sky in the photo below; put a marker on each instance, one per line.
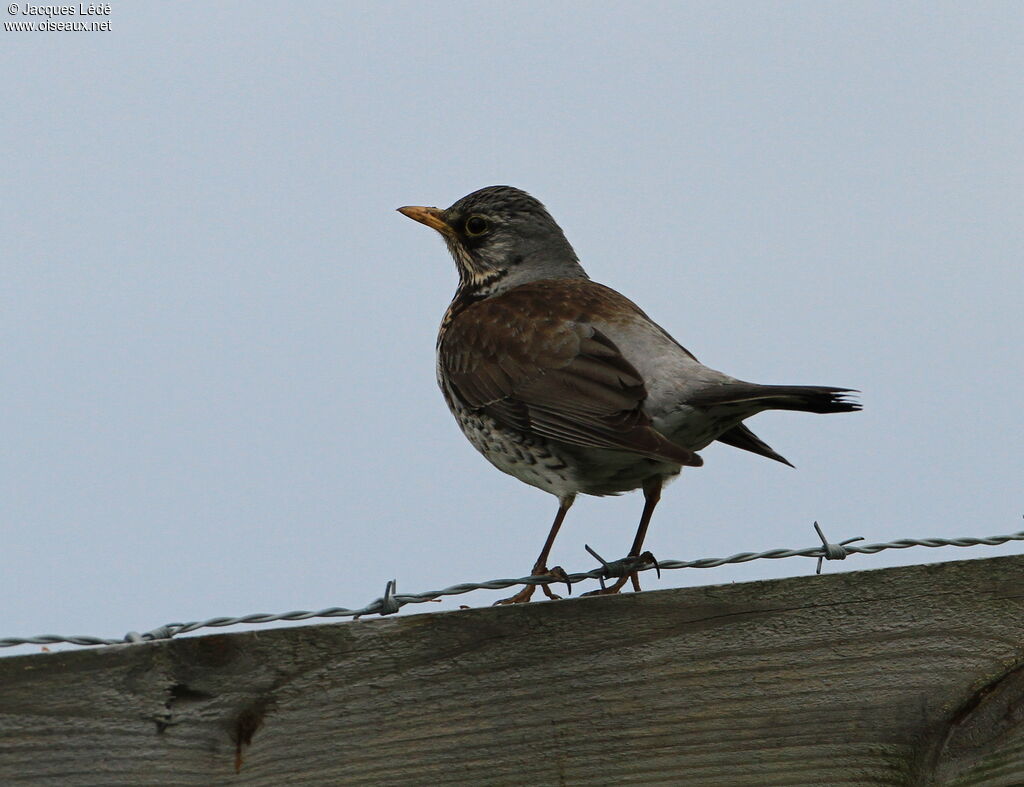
(218, 335)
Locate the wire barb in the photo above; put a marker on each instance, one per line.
(833, 551)
(388, 604)
(607, 569)
(391, 602)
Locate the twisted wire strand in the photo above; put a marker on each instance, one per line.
(392, 601)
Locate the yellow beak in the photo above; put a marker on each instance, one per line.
(432, 217)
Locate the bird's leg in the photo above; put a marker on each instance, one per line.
(540, 567)
(652, 494)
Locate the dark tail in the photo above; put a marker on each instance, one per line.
(741, 437)
(805, 398)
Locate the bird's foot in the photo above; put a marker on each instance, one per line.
(627, 571)
(612, 590)
(557, 574)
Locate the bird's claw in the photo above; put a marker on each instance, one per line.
(648, 559)
(557, 574)
(626, 570)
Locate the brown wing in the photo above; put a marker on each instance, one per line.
(562, 379)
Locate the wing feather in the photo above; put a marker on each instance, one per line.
(562, 379)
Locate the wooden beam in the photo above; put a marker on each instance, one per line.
(899, 676)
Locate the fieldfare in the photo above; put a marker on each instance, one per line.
(566, 384)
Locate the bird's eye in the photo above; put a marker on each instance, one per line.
(476, 225)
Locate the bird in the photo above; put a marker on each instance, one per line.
(568, 385)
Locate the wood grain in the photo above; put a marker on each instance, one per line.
(905, 676)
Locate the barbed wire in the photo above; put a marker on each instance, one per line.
(392, 601)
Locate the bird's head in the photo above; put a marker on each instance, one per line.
(501, 237)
